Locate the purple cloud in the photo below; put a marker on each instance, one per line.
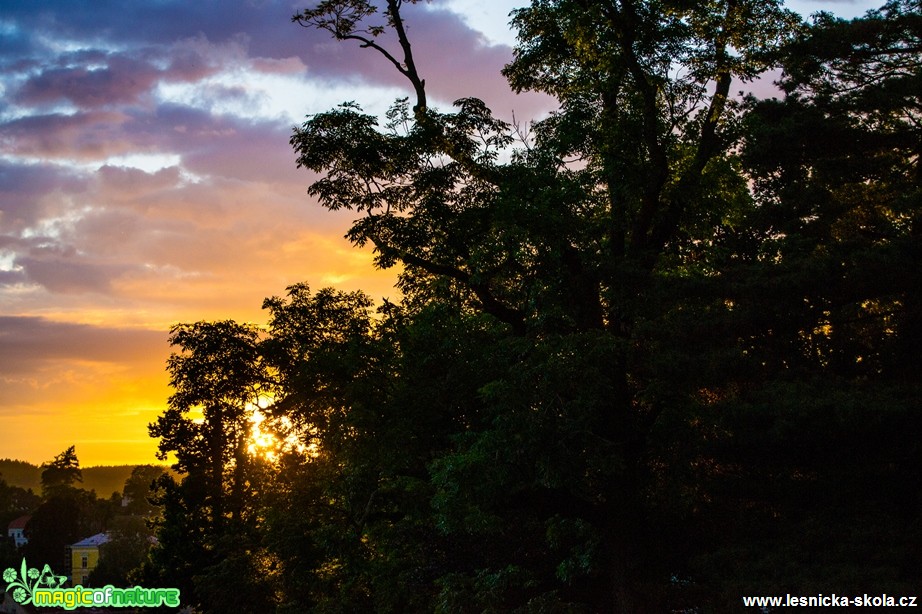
(63, 270)
(26, 341)
(24, 190)
(123, 81)
(79, 136)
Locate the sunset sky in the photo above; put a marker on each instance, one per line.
(146, 179)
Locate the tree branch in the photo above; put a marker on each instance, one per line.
(514, 317)
(625, 23)
(419, 85)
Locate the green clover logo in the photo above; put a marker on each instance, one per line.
(27, 580)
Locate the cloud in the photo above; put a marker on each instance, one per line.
(65, 271)
(27, 193)
(184, 42)
(121, 182)
(282, 66)
(76, 137)
(122, 81)
(95, 79)
(27, 342)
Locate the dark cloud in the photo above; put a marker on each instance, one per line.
(124, 24)
(26, 342)
(248, 152)
(78, 136)
(122, 81)
(94, 78)
(15, 43)
(12, 278)
(133, 182)
(63, 270)
(24, 189)
(266, 24)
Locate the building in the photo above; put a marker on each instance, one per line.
(84, 557)
(16, 531)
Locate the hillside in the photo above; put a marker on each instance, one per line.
(105, 480)
(22, 474)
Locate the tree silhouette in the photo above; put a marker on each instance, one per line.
(61, 473)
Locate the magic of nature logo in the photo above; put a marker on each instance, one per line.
(46, 589)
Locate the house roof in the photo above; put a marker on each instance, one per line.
(20, 523)
(92, 541)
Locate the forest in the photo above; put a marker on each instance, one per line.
(654, 352)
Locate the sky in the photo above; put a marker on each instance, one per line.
(146, 179)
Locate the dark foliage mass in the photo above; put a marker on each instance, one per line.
(655, 352)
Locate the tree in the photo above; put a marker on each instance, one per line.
(217, 374)
(139, 488)
(824, 287)
(14, 503)
(652, 357)
(574, 259)
(127, 548)
(66, 514)
(836, 166)
(61, 473)
(63, 519)
(208, 517)
(332, 371)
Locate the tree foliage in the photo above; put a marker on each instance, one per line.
(645, 352)
(219, 382)
(61, 473)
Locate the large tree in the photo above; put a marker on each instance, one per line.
(573, 245)
(218, 382)
(206, 532)
(66, 515)
(61, 473)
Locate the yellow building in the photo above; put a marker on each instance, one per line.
(84, 557)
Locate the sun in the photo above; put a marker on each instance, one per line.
(266, 443)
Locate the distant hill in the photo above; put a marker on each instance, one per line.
(21, 473)
(105, 480)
